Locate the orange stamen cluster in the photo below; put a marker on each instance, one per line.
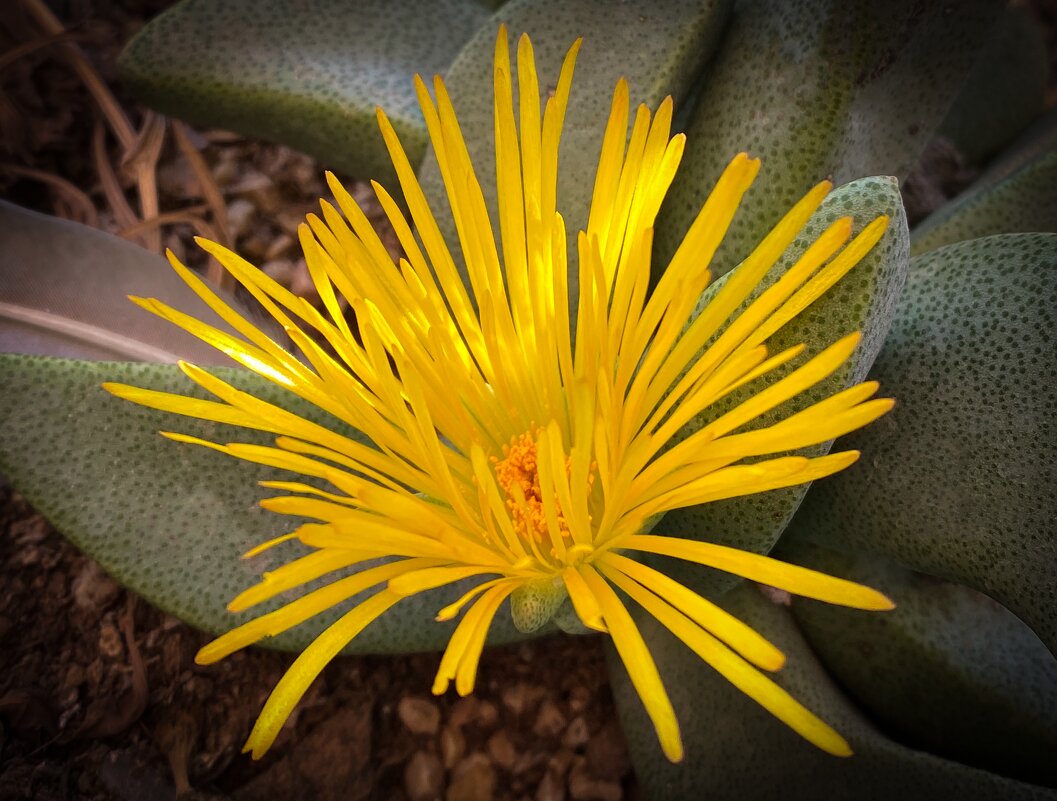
(518, 475)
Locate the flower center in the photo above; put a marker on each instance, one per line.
(518, 475)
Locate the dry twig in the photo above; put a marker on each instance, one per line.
(115, 196)
(69, 193)
(210, 192)
(111, 109)
(191, 216)
(28, 48)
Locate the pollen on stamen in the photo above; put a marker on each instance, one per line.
(517, 473)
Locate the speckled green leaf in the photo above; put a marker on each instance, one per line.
(840, 88)
(1016, 194)
(64, 288)
(1004, 91)
(304, 73)
(658, 46)
(948, 670)
(960, 481)
(864, 300)
(736, 751)
(170, 520)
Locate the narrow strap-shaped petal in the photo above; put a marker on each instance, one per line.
(736, 670)
(189, 407)
(307, 666)
(451, 611)
(714, 619)
(301, 609)
(639, 663)
(464, 637)
(583, 600)
(294, 574)
(430, 578)
(466, 674)
(764, 569)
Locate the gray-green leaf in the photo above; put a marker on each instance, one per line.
(960, 480)
(64, 289)
(1004, 91)
(304, 74)
(816, 88)
(736, 750)
(948, 670)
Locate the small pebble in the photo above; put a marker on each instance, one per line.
(424, 777)
(267, 198)
(551, 788)
(240, 213)
(419, 715)
(452, 745)
(111, 645)
(585, 787)
(550, 722)
(280, 270)
(473, 780)
(577, 734)
(521, 697)
(607, 753)
(279, 246)
(502, 750)
(92, 588)
(289, 220)
(302, 284)
(487, 716)
(579, 698)
(464, 711)
(74, 676)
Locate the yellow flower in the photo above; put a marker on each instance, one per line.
(509, 447)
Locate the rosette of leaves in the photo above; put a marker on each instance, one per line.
(951, 510)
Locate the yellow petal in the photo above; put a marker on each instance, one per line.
(466, 674)
(307, 666)
(764, 569)
(293, 574)
(583, 600)
(640, 665)
(737, 671)
(468, 639)
(714, 619)
(430, 578)
(302, 609)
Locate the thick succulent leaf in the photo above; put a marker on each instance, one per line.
(960, 480)
(659, 47)
(735, 750)
(840, 88)
(949, 670)
(304, 74)
(1016, 194)
(1004, 91)
(171, 520)
(864, 300)
(64, 288)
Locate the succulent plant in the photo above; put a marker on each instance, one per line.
(950, 512)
